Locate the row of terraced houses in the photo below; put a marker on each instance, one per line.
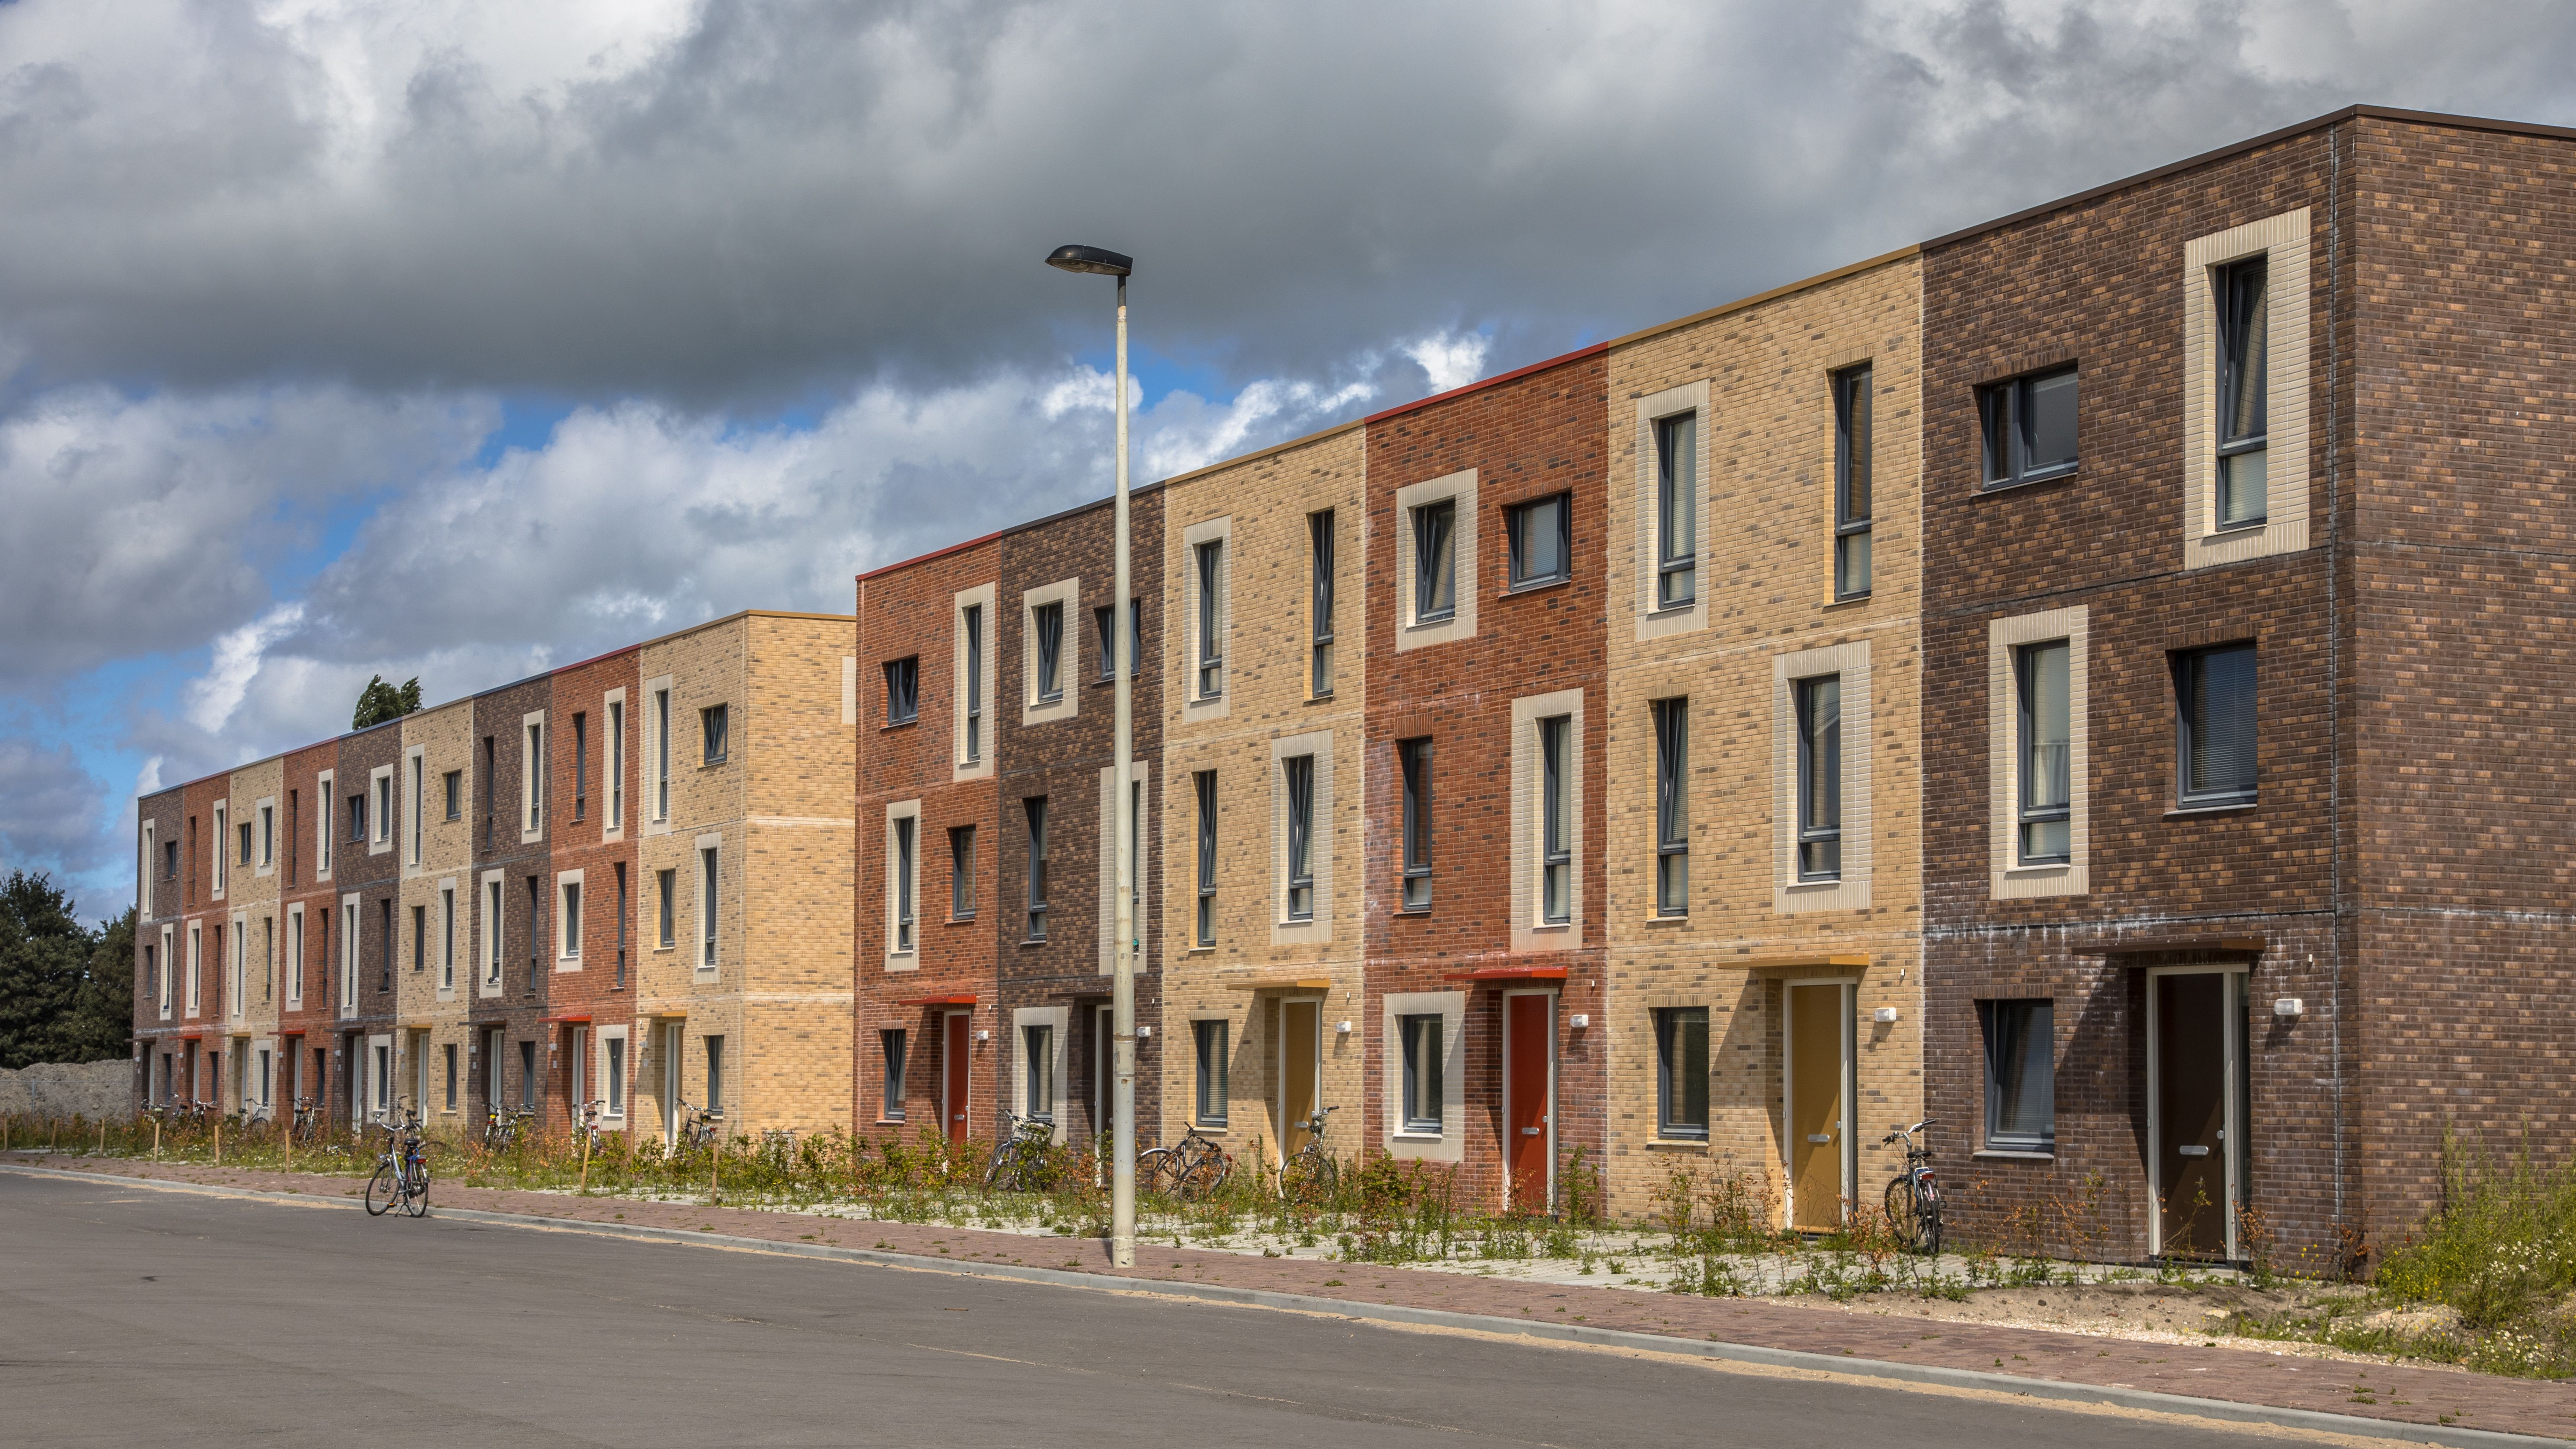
(2099, 679)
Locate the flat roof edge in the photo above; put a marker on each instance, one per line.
(1742, 304)
(1480, 384)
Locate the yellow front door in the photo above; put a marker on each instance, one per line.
(1300, 1051)
(1816, 1109)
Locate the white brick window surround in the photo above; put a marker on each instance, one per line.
(1411, 630)
(1654, 620)
(2282, 241)
(1531, 930)
(902, 887)
(1142, 790)
(2011, 880)
(972, 675)
(1066, 594)
(1197, 701)
(1449, 1144)
(1316, 929)
(1850, 891)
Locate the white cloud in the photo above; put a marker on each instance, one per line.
(1450, 359)
(213, 696)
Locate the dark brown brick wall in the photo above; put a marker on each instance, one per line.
(1527, 435)
(500, 716)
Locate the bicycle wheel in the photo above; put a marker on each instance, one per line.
(1904, 1215)
(1153, 1169)
(417, 1201)
(1929, 1240)
(383, 1189)
(1202, 1175)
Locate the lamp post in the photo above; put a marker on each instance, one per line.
(1122, 1138)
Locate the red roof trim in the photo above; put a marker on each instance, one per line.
(919, 559)
(1509, 973)
(574, 1017)
(1495, 381)
(962, 999)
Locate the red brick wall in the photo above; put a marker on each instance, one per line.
(303, 816)
(577, 822)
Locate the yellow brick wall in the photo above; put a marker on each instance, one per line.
(705, 666)
(445, 738)
(802, 762)
(251, 894)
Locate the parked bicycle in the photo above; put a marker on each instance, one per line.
(1189, 1169)
(500, 1131)
(586, 1133)
(1311, 1175)
(306, 1120)
(1019, 1153)
(700, 1126)
(1914, 1195)
(402, 1169)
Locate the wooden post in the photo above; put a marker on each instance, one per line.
(156, 1135)
(219, 1142)
(102, 1136)
(585, 1164)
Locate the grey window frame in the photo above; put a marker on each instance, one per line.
(973, 624)
(1203, 787)
(1419, 1037)
(1672, 806)
(1034, 808)
(1046, 623)
(2006, 429)
(1677, 511)
(1430, 548)
(2189, 683)
(906, 837)
(1209, 557)
(1556, 819)
(1299, 773)
(2027, 726)
(455, 782)
(1210, 1103)
(2242, 382)
(1319, 539)
(715, 1073)
(2004, 1025)
(1681, 1073)
(894, 1048)
(961, 873)
(1516, 530)
(710, 870)
(1038, 1084)
(1855, 500)
(903, 690)
(667, 884)
(580, 765)
(1106, 627)
(1413, 863)
(715, 727)
(1819, 842)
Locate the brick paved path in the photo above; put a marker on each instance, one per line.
(2251, 1376)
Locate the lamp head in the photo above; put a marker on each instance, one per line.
(1091, 259)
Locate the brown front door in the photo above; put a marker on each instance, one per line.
(952, 1058)
(1300, 1048)
(1529, 1038)
(1816, 1107)
(2191, 1113)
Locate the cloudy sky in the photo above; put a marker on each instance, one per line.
(458, 339)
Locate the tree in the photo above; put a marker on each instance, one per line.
(101, 1024)
(380, 701)
(44, 958)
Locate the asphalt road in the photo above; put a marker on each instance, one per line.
(135, 1316)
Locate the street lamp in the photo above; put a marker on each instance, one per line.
(1122, 1140)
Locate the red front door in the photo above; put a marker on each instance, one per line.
(1529, 1039)
(952, 1056)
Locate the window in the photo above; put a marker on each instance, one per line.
(492, 935)
(446, 938)
(1203, 787)
(322, 789)
(1046, 622)
(2244, 338)
(2029, 427)
(419, 800)
(491, 791)
(357, 819)
(1037, 1044)
(1852, 503)
(455, 782)
(961, 873)
(2021, 1075)
(666, 882)
(1681, 1072)
(245, 843)
(617, 764)
(661, 754)
(580, 765)
(1300, 770)
(528, 1074)
(220, 844)
(170, 859)
(711, 734)
(715, 1074)
(2040, 672)
(1105, 623)
(1672, 807)
(419, 938)
(268, 835)
(2215, 689)
(1820, 777)
(891, 1042)
(1036, 807)
(616, 1046)
(1542, 541)
(1420, 1036)
(385, 944)
(536, 928)
(570, 915)
(620, 983)
(1677, 511)
(903, 867)
(1211, 1096)
(1556, 812)
(974, 626)
(903, 690)
(707, 908)
(1413, 758)
(1435, 561)
(1319, 532)
(385, 808)
(449, 1052)
(1211, 666)
(294, 958)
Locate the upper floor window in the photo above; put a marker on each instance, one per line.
(961, 872)
(532, 777)
(903, 869)
(1413, 760)
(2029, 427)
(358, 818)
(2046, 727)
(1211, 662)
(661, 754)
(2244, 339)
(712, 722)
(1047, 620)
(1435, 561)
(1556, 843)
(1300, 771)
(1203, 787)
(1542, 541)
(385, 808)
(1672, 807)
(1104, 621)
(2215, 691)
(903, 690)
(245, 842)
(1319, 532)
(170, 859)
(972, 623)
(1852, 503)
(454, 781)
(1820, 777)
(1676, 511)
(1036, 809)
(616, 764)
(580, 766)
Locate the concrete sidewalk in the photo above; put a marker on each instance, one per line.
(2447, 1402)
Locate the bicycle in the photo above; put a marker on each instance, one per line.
(1189, 1169)
(306, 1122)
(1311, 1174)
(402, 1169)
(1914, 1195)
(700, 1126)
(499, 1132)
(586, 1133)
(1019, 1151)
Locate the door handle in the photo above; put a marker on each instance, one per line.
(1820, 1137)
(1529, 1132)
(2193, 1150)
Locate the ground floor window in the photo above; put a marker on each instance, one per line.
(895, 1046)
(1421, 1040)
(1212, 1048)
(2021, 1075)
(1681, 1072)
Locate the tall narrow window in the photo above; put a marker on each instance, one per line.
(616, 1046)
(1420, 1036)
(2215, 689)
(1036, 808)
(1413, 759)
(536, 928)
(221, 843)
(2244, 347)
(617, 764)
(713, 733)
(974, 627)
(1300, 772)
(661, 754)
(1435, 561)
(892, 1043)
(1104, 620)
(903, 867)
(419, 802)
(1211, 665)
(491, 792)
(1677, 511)
(245, 843)
(1319, 531)
(1556, 823)
(446, 939)
(2021, 1075)
(385, 808)
(1672, 807)
(1210, 1096)
(715, 1073)
(492, 934)
(321, 825)
(1681, 1072)
(2040, 672)
(1852, 503)
(532, 775)
(707, 908)
(454, 781)
(1037, 1047)
(420, 938)
(666, 885)
(622, 905)
(1820, 777)
(2029, 427)
(1541, 541)
(580, 766)
(385, 944)
(449, 1052)
(570, 915)
(294, 959)
(903, 690)
(268, 830)
(1203, 785)
(961, 873)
